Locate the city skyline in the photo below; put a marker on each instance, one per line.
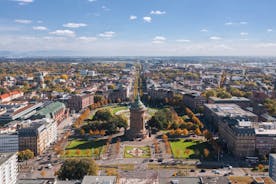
(134, 28)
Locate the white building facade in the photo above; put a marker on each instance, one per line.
(8, 168)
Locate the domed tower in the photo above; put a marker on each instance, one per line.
(137, 120)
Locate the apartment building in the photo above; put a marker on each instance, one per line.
(38, 135)
(8, 168)
(80, 101)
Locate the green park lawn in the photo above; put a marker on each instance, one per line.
(185, 149)
(116, 109)
(146, 152)
(83, 148)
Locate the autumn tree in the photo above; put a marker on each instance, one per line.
(198, 132)
(206, 152)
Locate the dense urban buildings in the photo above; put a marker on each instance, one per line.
(220, 114)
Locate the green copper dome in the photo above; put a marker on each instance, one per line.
(137, 104)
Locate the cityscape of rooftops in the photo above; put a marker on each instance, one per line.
(137, 92)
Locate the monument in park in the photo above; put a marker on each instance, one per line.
(137, 120)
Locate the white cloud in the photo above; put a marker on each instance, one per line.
(39, 28)
(132, 17)
(23, 2)
(243, 33)
(235, 23)
(215, 38)
(147, 19)
(74, 25)
(204, 30)
(107, 34)
(92, 1)
(23, 21)
(65, 32)
(105, 8)
(229, 23)
(269, 30)
(159, 39)
(88, 39)
(183, 41)
(243, 23)
(157, 12)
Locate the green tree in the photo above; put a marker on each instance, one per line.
(74, 169)
(25, 155)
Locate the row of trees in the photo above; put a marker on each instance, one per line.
(218, 92)
(167, 144)
(81, 118)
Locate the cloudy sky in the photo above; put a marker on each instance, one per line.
(139, 27)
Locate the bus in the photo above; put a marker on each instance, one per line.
(252, 160)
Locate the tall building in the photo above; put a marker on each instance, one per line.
(137, 120)
(272, 166)
(8, 168)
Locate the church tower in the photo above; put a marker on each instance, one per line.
(137, 120)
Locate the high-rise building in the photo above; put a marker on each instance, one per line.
(272, 166)
(8, 168)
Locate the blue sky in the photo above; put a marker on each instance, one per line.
(139, 27)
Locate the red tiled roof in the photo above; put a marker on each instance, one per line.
(7, 95)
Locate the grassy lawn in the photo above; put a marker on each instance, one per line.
(144, 152)
(114, 109)
(118, 108)
(83, 148)
(185, 149)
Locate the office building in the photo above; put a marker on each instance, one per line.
(8, 142)
(215, 113)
